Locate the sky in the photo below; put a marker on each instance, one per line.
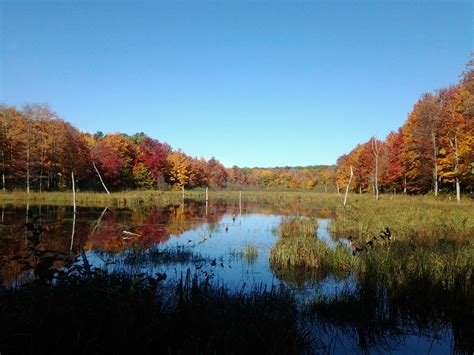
(252, 83)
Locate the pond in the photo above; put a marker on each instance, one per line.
(229, 244)
(221, 241)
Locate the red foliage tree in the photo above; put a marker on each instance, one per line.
(153, 154)
(108, 162)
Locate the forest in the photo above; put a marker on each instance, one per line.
(431, 152)
(39, 151)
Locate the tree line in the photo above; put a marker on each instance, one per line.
(39, 151)
(320, 177)
(432, 152)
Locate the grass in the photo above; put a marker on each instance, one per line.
(96, 199)
(445, 259)
(250, 252)
(298, 247)
(284, 199)
(381, 312)
(161, 256)
(291, 227)
(408, 217)
(421, 280)
(123, 313)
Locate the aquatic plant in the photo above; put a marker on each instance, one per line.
(120, 312)
(250, 252)
(298, 246)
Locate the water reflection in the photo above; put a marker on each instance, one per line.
(218, 230)
(229, 243)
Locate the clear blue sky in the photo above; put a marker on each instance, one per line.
(252, 83)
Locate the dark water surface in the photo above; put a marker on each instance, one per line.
(210, 240)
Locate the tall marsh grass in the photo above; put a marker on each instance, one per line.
(123, 313)
(405, 289)
(408, 217)
(250, 252)
(298, 247)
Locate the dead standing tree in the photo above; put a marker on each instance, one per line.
(375, 144)
(347, 187)
(100, 177)
(454, 145)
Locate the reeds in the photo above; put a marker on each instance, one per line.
(392, 300)
(409, 218)
(161, 256)
(299, 247)
(250, 252)
(123, 313)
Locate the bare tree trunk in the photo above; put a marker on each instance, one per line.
(42, 159)
(28, 152)
(240, 203)
(74, 209)
(338, 190)
(207, 193)
(347, 187)
(325, 188)
(404, 184)
(182, 189)
(73, 230)
(3, 171)
(376, 151)
(456, 167)
(73, 191)
(27, 219)
(97, 224)
(100, 177)
(28, 168)
(3, 151)
(41, 180)
(435, 162)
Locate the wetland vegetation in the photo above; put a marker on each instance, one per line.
(393, 274)
(311, 235)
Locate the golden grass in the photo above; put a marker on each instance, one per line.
(299, 247)
(408, 217)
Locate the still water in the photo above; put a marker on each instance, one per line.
(212, 241)
(209, 239)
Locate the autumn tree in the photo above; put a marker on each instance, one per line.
(456, 139)
(153, 155)
(143, 177)
(217, 173)
(327, 175)
(394, 176)
(126, 150)
(180, 173)
(421, 145)
(108, 162)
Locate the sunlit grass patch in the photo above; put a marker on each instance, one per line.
(250, 252)
(298, 247)
(409, 218)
